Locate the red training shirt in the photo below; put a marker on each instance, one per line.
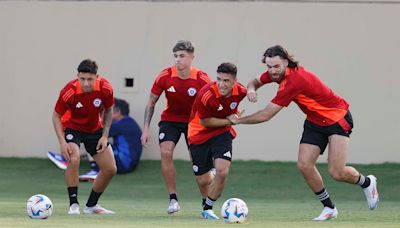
(210, 103)
(180, 93)
(84, 108)
(321, 105)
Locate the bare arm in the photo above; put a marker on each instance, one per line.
(148, 114)
(56, 118)
(107, 120)
(252, 87)
(215, 122)
(149, 111)
(64, 148)
(258, 117)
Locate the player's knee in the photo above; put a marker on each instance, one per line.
(166, 154)
(113, 170)
(336, 174)
(110, 170)
(74, 161)
(304, 167)
(203, 181)
(223, 173)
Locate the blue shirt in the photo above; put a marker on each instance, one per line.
(127, 146)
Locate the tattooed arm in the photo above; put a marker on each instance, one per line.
(148, 114)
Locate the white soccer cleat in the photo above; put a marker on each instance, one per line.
(326, 214)
(74, 209)
(173, 207)
(209, 214)
(97, 209)
(371, 193)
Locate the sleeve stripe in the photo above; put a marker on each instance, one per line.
(161, 75)
(68, 94)
(205, 78)
(206, 97)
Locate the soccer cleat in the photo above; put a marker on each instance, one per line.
(326, 214)
(97, 209)
(74, 209)
(173, 206)
(371, 193)
(58, 160)
(89, 176)
(209, 214)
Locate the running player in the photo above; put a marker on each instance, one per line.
(329, 123)
(211, 134)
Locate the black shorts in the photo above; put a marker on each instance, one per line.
(203, 155)
(90, 140)
(171, 131)
(318, 135)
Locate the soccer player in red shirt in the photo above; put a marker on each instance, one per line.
(180, 83)
(85, 98)
(328, 122)
(210, 134)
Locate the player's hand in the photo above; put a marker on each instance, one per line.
(101, 145)
(233, 118)
(145, 138)
(65, 151)
(252, 96)
(240, 113)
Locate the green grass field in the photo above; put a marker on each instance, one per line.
(274, 192)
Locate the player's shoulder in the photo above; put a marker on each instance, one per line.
(203, 76)
(300, 72)
(264, 78)
(69, 90)
(206, 93)
(241, 88)
(165, 73)
(205, 89)
(71, 84)
(104, 82)
(105, 85)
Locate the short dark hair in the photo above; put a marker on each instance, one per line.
(278, 50)
(228, 68)
(183, 45)
(88, 66)
(122, 106)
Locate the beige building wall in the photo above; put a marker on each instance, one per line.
(354, 48)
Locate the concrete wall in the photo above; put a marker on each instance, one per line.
(353, 47)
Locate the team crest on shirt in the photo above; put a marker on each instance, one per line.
(233, 105)
(97, 102)
(192, 91)
(69, 136)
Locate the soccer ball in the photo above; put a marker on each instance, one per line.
(234, 210)
(39, 207)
